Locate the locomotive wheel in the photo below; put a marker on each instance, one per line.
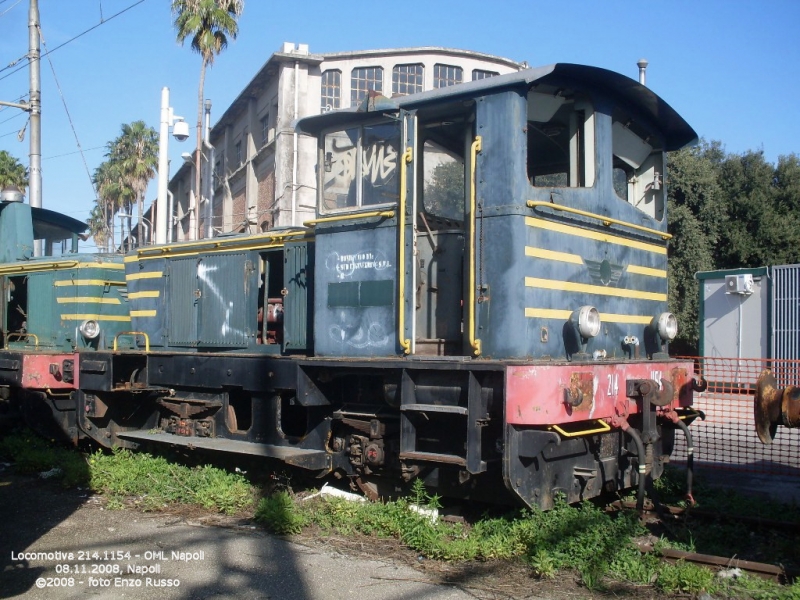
(767, 407)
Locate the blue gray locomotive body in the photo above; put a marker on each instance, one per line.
(481, 302)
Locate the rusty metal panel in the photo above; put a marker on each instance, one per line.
(182, 301)
(225, 284)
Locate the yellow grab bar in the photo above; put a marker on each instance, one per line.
(22, 335)
(604, 427)
(473, 341)
(407, 157)
(605, 220)
(364, 215)
(134, 334)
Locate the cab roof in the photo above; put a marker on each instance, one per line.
(623, 90)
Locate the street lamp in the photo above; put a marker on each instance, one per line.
(180, 129)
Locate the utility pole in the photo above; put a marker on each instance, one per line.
(35, 103)
(34, 108)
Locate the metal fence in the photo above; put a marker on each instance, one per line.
(727, 438)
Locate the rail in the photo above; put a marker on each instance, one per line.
(134, 334)
(604, 220)
(474, 149)
(388, 214)
(401, 301)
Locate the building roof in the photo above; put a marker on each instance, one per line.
(290, 53)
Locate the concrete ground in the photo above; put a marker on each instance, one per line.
(176, 557)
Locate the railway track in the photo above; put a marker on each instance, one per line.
(671, 516)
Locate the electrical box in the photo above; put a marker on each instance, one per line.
(739, 284)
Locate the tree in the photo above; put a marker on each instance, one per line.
(98, 226)
(12, 172)
(209, 24)
(113, 194)
(444, 195)
(135, 152)
(696, 215)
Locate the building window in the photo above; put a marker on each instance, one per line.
(364, 80)
(264, 122)
(444, 75)
(238, 150)
(481, 74)
(219, 169)
(331, 90)
(407, 79)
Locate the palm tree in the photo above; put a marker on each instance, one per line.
(113, 194)
(12, 172)
(98, 225)
(135, 152)
(209, 24)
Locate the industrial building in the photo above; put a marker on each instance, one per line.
(263, 173)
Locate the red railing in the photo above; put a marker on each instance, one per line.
(727, 438)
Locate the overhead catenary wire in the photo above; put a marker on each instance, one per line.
(66, 110)
(9, 8)
(92, 28)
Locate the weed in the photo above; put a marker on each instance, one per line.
(543, 565)
(279, 514)
(685, 577)
(154, 482)
(32, 454)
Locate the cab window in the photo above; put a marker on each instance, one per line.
(638, 167)
(360, 167)
(561, 145)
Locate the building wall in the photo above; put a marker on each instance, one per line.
(264, 174)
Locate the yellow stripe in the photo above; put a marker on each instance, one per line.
(647, 271)
(78, 317)
(143, 313)
(568, 286)
(594, 235)
(100, 265)
(70, 282)
(149, 294)
(553, 255)
(87, 300)
(145, 275)
(261, 241)
(563, 315)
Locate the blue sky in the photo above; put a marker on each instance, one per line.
(729, 67)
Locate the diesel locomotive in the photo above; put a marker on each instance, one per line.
(480, 302)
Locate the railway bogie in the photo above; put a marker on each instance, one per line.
(480, 303)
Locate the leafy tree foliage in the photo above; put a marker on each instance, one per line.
(444, 195)
(122, 179)
(12, 172)
(727, 211)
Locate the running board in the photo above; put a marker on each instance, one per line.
(314, 460)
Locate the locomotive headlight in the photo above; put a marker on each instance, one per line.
(90, 329)
(588, 321)
(667, 326)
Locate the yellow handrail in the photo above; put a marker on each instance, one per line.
(604, 427)
(605, 220)
(401, 318)
(22, 335)
(473, 341)
(134, 334)
(364, 215)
